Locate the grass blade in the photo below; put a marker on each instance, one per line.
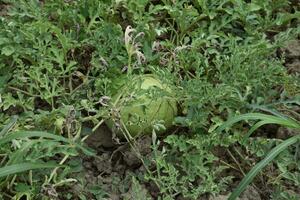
(21, 167)
(258, 116)
(9, 126)
(253, 128)
(259, 166)
(266, 109)
(25, 134)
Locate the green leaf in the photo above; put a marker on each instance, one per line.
(3, 79)
(8, 50)
(4, 40)
(21, 167)
(288, 122)
(8, 126)
(253, 128)
(25, 134)
(254, 7)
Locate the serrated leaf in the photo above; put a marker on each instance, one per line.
(7, 50)
(254, 7)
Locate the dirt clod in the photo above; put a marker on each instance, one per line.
(101, 137)
(249, 194)
(143, 147)
(292, 49)
(292, 54)
(284, 133)
(103, 163)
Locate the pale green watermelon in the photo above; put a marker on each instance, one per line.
(144, 100)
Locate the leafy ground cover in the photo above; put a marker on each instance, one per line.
(60, 63)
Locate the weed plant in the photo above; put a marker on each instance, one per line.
(58, 60)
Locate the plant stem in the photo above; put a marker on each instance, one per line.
(129, 68)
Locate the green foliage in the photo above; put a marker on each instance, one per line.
(265, 119)
(28, 154)
(187, 166)
(13, 169)
(137, 191)
(58, 60)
